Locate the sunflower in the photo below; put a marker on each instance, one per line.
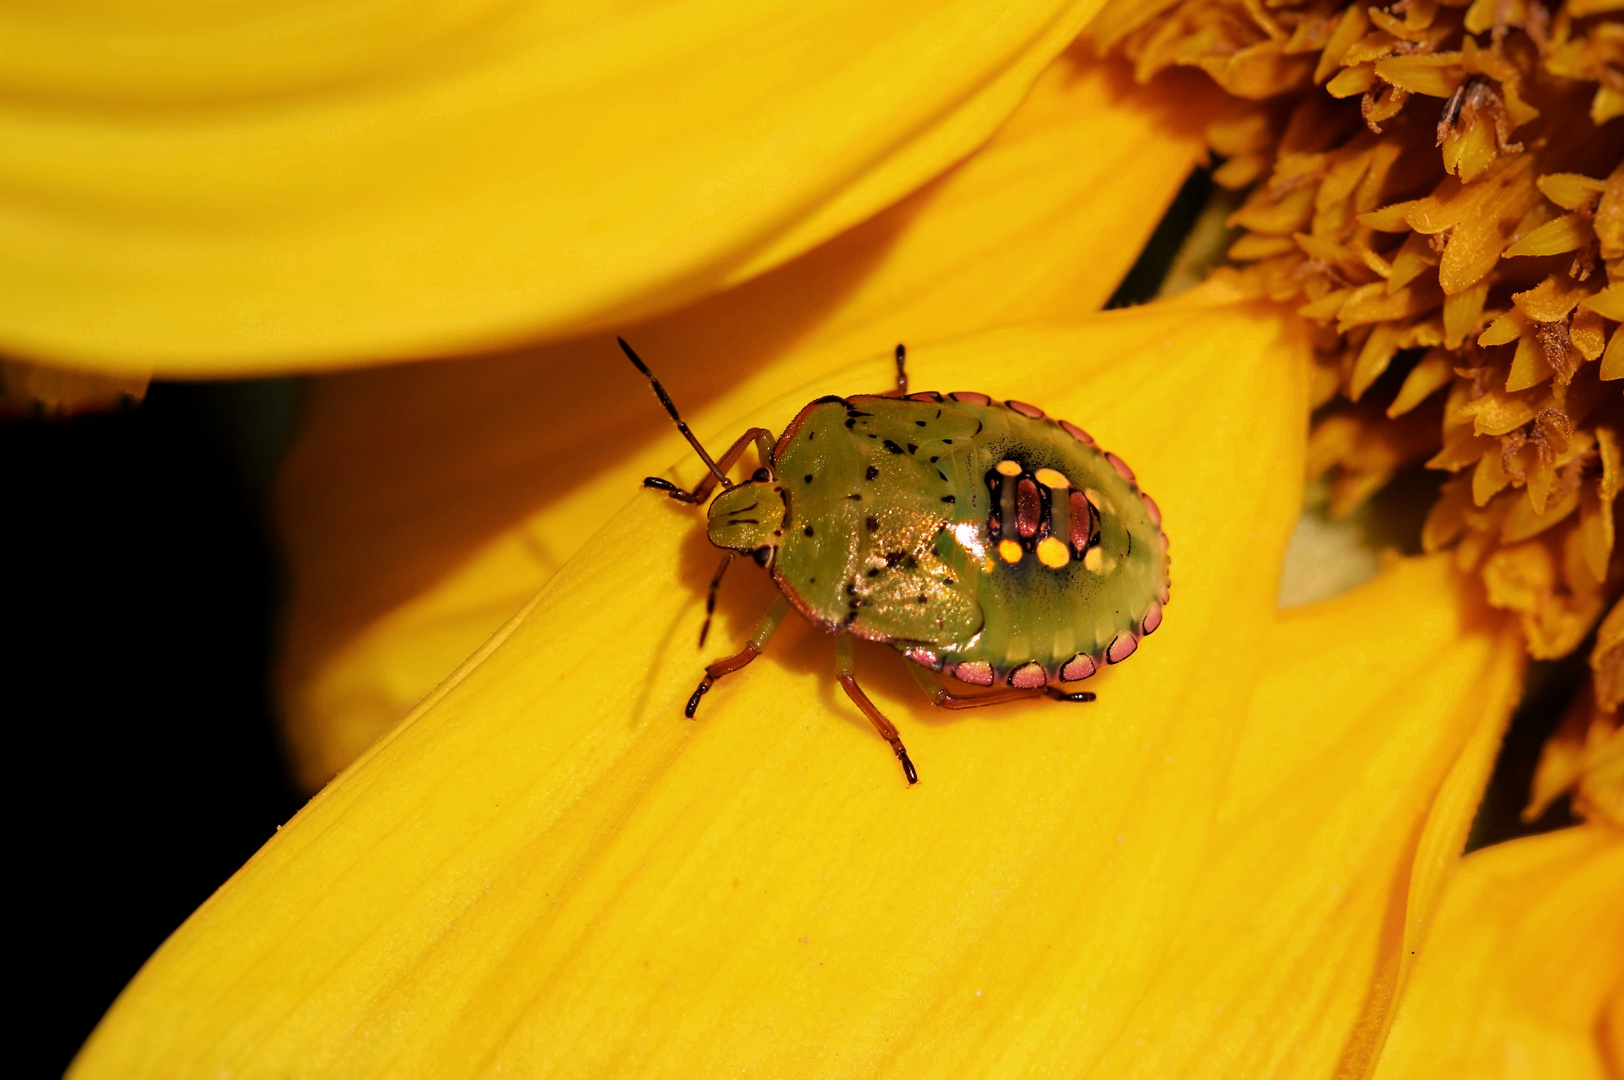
(1243, 859)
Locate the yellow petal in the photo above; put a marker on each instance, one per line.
(546, 869)
(268, 190)
(423, 505)
(1523, 967)
(1350, 794)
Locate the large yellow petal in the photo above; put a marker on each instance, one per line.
(1363, 758)
(1523, 975)
(265, 188)
(547, 871)
(424, 504)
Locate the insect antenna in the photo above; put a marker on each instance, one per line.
(682, 426)
(710, 597)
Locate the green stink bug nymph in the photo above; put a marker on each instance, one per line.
(979, 538)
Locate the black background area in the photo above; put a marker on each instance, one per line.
(137, 618)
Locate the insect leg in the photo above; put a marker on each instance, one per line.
(1062, 695)
(902, 370)
(943, 698)
(710, 597)
(846, 673)
(760, 436)
(752, 649)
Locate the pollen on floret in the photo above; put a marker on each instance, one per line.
(1460, 249)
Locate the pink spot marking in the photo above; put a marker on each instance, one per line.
(1122, 647)
(976, 673)
(1120, 466)
(1153, 619)
(1076, 432)
(1151, 508)
(924, 658)
(1078, 668)
(927, 395)
(1026, 410)
(970, 397)
(1029, 676)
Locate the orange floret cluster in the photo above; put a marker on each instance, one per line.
(1439, 188)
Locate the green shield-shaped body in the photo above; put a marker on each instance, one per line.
(977, 537)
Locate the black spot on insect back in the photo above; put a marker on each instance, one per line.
(873, 523)
(871, 472)
(809, 478)
(807, 530)
(893, 447)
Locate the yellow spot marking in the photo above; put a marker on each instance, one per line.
(1009, 551)
(1008, 468)
(1094, 559)
(1096, 500)
(1053, 554)
(1051, 479)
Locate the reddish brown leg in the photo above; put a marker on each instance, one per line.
(846, 674)
(764, 445)
(752, 649)
(902, 370)
(943, 698)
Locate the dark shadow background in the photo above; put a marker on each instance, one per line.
(138, 613)
(138, 622)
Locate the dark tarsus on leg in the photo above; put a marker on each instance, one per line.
(710, 598)
(887, 730)
(713, 671)
(846, 674)
(752, 649)
(760, 436)
(1061, 695)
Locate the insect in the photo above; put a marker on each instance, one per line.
(979, 538)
